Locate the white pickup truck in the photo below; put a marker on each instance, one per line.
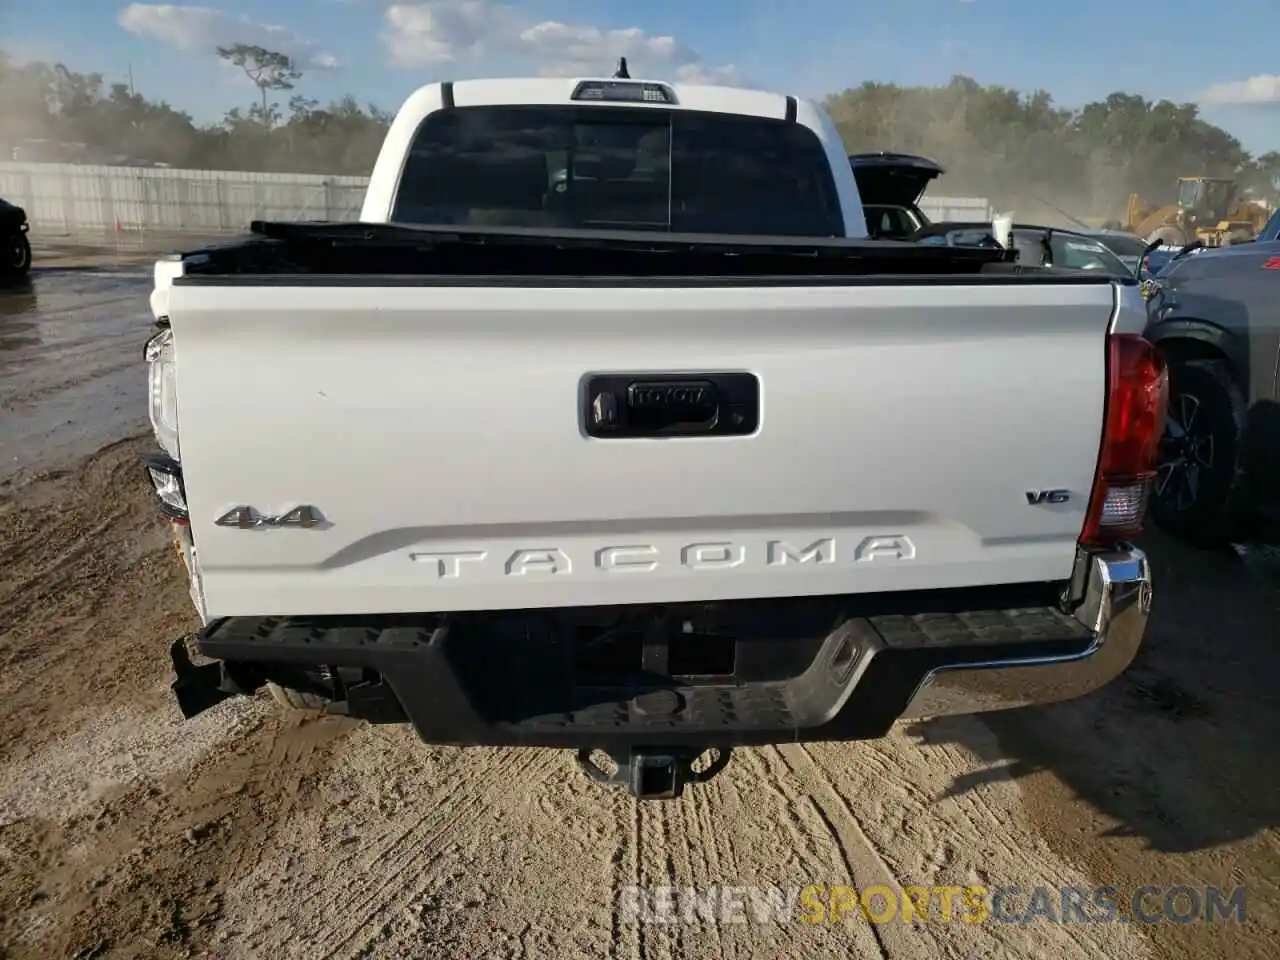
(606, 428)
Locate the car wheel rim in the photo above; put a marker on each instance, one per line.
(1186, 452)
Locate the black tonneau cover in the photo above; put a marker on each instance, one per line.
(638, 241)
(398, 254)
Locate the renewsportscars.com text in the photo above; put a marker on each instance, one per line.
(827, 904)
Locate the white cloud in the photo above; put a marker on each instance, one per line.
(568, 49)
(447, 31)
(203, 29)
(1262, 89)
(727, 75)
(421, 34)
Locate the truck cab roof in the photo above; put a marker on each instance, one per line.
(593, 94)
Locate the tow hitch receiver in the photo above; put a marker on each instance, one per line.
(654, 775)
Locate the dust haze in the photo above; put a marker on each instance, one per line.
(1027, 154)
(1019, 149)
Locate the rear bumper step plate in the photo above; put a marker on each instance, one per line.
(496, 680)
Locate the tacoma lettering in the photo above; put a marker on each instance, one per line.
(449, 565)
(550, 560)
(632, 559)
(712, 556)
(638, 558)
(820, 551)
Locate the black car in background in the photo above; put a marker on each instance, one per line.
(891, 185)
(15, 248)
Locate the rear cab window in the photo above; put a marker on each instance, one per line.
(618, 168)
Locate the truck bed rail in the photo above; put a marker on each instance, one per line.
(391, 250)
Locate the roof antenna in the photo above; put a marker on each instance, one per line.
(621, 73)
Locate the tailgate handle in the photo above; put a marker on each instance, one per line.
(683, 405)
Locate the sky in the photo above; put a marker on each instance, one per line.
(381, 51)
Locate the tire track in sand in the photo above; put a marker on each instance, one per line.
(766, 847)
(847, 843)
(712, 869)
(626, 873)
(526, 873)
(401, 858)
(758, 860)
(807, 852)
(293, 741)
(942, 845)
(655, 870)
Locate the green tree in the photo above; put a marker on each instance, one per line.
(1020, 149)
(1263, 176)
(1023, 150)
(268, 70)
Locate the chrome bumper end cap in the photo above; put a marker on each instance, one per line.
(1116, 607)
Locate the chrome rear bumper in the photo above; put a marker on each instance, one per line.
(1116, 606)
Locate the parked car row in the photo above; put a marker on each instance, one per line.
(1036, 245)
(1216, 317)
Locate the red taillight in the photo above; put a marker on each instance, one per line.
(1137, 401)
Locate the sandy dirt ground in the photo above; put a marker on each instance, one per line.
(127, 832)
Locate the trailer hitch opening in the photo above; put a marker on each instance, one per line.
(659, 774)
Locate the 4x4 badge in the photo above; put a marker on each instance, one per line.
(247, 518)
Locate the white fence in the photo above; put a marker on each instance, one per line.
(64, 199)
(70, 199)
(963, 209)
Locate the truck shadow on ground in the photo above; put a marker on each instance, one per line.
(1181, 749)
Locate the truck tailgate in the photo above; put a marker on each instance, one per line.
(443, 435)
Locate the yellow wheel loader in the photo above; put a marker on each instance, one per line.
(1207, 209)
